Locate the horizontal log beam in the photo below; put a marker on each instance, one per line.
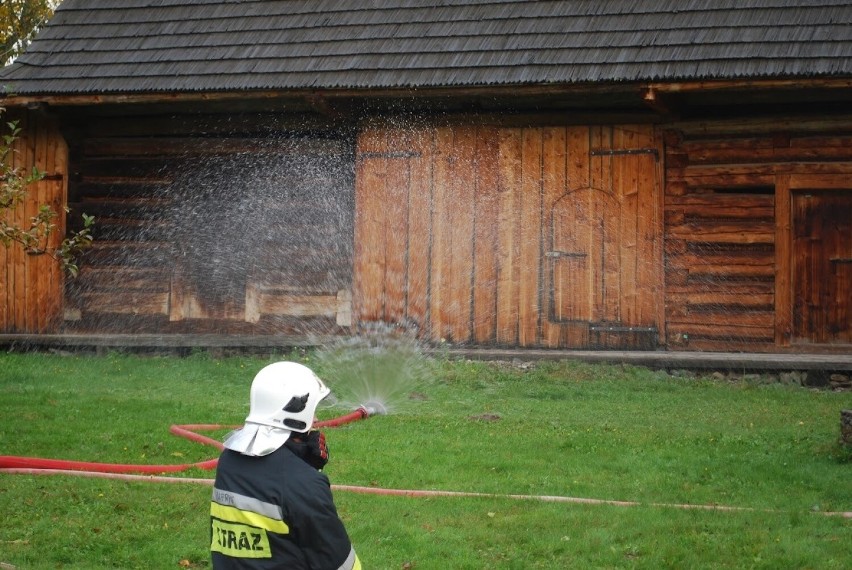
(306, 97)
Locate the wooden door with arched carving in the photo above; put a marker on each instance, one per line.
(583, 257)
(602, 246)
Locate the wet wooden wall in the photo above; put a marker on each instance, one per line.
(31, 285)
(757, 228)
(540, 236)
(212, 224)
(725, 235)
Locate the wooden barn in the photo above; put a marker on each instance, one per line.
(623, 174)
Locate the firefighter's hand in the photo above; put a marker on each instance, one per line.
(311, 447)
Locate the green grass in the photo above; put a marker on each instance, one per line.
(556, 429)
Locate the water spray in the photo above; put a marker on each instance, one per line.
(374, 408)
(362, 412)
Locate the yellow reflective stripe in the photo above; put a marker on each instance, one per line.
(235, 515)
(239, 541)
(357, 565)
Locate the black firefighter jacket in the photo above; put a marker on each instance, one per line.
(275, 512)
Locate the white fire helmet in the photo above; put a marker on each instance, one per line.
(284, 399)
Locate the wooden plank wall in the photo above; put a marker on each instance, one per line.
(217, 223)
(728, 259)
(452, 224)
(31, 286)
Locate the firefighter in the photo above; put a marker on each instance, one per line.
(272, 506)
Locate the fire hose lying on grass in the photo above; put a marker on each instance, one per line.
(188, 431)
(129, 472)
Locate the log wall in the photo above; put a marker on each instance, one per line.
(730, 268)
(212, 224)
(31, 285)
(461, 232)
(724, 235)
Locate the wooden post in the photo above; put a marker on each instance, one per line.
(783, 269)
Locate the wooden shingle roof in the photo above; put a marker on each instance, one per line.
(169, 46)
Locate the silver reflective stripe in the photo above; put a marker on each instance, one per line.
(349, 563)
(244, 503)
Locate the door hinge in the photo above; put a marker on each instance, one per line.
(622, 151)
(396, 154)
(564, 254)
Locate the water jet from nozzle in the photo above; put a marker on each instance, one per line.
(374, 408)
(374, 372)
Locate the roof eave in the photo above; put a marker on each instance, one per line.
(645, 91)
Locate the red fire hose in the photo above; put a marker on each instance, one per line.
(187, 431)
(36, 466)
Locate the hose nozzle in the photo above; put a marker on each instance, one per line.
(374, 408)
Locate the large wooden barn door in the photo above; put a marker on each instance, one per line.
(604, 243)
(392, 228)
(822, 267)
(31, 285)
(533, 236)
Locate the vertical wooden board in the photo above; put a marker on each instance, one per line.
(509, 171)
(180, 298)
(253, 302)
(836, 232)
(632, 252)
(572, 218)
(35, 195)
(607, 236)
(5, 289)
(649, 232)
(419, 225)
(611, 219)
(578, 140)
(626, 186)
(38, 271)
(554, 185)
(529, 251)
(822, 223)
(394, 216)
(807, 284)
(578, 296)
(5, 267)
(369, 234)
(23, 159)
(461, 213)
(12, 254)
(485, 236)
(783, 262)
(600, 139)
(48, 289)
(61, 167)
(52, 290)
(600, 181)
(840, 273)
(441, 275)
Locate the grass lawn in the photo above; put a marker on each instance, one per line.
(610, 433)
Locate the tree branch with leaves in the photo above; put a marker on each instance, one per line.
(34, 235)
(20, 20)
